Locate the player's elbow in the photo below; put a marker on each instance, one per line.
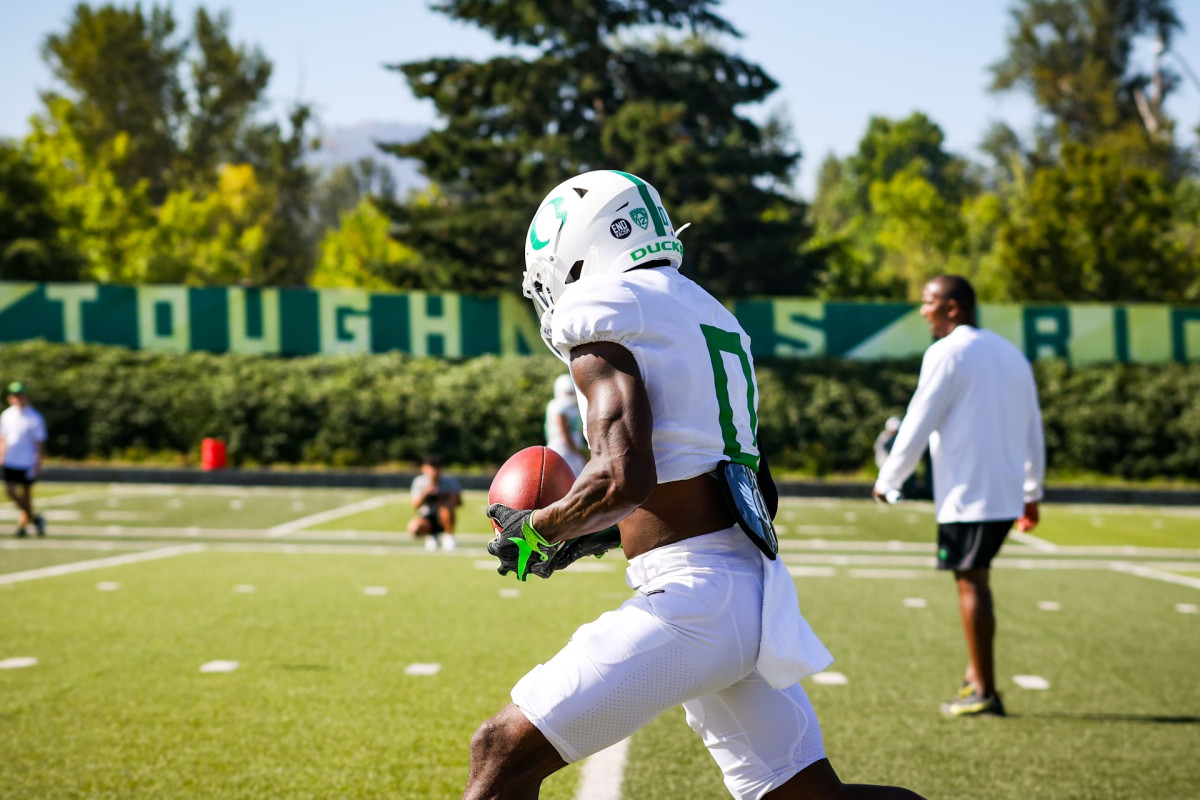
(636, 491)
(631, 481)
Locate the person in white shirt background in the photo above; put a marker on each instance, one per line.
(976, 406)
(22, 432)
(564, 426)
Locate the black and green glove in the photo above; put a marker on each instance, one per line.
(521, 549)
(590, 544)
(518, 545)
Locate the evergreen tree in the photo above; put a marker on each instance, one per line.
(641, 87)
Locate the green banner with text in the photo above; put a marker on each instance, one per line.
(307, 321)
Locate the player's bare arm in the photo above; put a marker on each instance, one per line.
(619, 485)
(621, 474)
(421, 499)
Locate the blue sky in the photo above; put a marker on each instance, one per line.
(837, 63)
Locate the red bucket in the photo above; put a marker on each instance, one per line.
(212, 454)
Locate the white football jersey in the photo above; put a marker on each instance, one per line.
(693, 356)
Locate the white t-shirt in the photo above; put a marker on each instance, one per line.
(976, 405)
(693, 356)
(21, 428)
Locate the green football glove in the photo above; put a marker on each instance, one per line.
(518, 545)
(521, 549)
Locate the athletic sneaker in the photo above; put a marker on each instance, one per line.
(39, 522)
(431, 543)
(20, 534)
(965, 690)
(974, 705)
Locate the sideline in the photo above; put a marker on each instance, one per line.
(100, 563)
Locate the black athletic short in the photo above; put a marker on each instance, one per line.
(20, 476)
(435, 523)
(970, 545)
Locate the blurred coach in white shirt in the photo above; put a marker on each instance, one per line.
(976, 406)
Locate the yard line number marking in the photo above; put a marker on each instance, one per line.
(1035, 682)
(18, 663)
(422, 669)
(830, 679)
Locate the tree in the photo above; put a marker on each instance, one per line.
(31, 245)
(1094, 227)
(215, 238)
(186, 104)
(99, 219)
(1100, 209)
(597, 92)
(360, 254)
(121, 68)
(890, 214)
(279, 160)
(227, 88)
(1073, 57)
(184, 108)
(344, 187)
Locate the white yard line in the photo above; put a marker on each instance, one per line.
(1156, 575)
(119, 531)
(1140, 510)
(100, 563)
(1010, 550)
(1040, 562)
(334, 513)
(73, 497)
(1033, 541)
(603, 773)
(71, 544)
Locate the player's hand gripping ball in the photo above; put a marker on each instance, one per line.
(531, 478)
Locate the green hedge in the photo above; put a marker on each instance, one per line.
(818, 417)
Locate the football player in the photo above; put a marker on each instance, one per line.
(669, 399)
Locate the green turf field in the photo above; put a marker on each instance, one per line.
(326, 608)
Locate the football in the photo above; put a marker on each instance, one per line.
(531, 478)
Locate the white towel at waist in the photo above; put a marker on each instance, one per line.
(788, 650)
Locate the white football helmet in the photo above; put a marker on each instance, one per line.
(597, 222)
